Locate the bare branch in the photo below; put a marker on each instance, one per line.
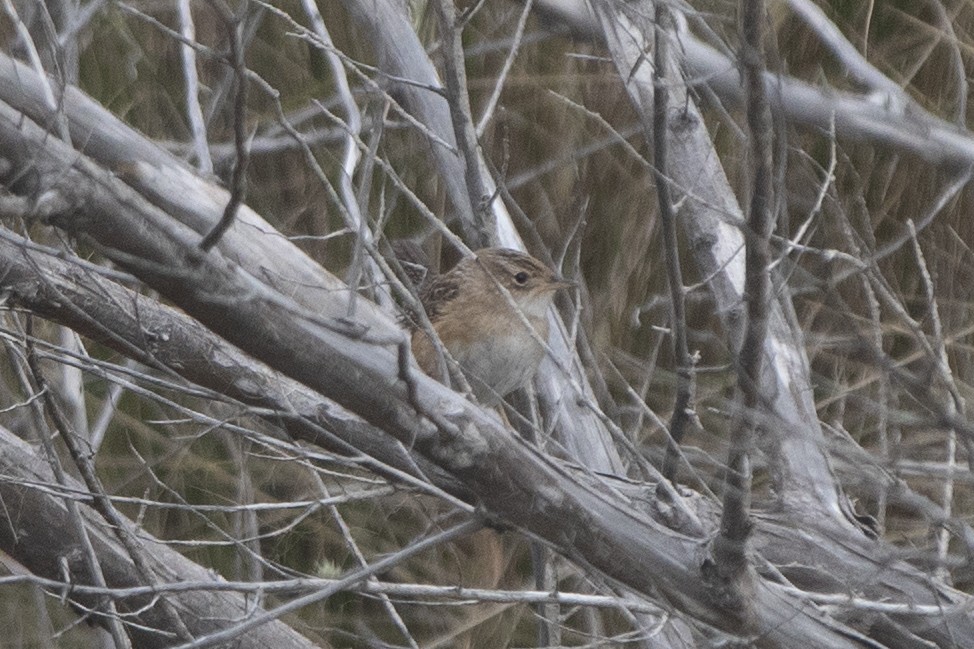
(238, 180)
(664, 72)
(735, 525)
(194, 112)
(463, 127)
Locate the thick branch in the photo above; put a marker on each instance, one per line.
(162, 337)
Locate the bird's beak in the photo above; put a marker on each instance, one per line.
(558, 282)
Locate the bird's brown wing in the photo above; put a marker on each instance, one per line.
(438, 292)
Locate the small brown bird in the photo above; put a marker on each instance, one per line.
(481, 310)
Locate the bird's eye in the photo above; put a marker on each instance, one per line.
(521, 278)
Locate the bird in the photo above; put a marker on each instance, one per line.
(490, 312)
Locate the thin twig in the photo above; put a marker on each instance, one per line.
(238, 181)
(461, 595)
(194, 112)
(354, 548)
(100, 500)
(33, 55)
(457, 531)
(351, 156)
(683, 402)
(952, 41)
(484, 232)
(736, 524)
(505, 70)
(954, 405)
(107, 412)
(96, 575)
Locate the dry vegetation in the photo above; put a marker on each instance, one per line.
(873, 243)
